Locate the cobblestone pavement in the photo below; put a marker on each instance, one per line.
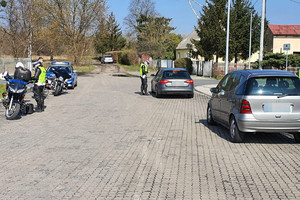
(104, 140)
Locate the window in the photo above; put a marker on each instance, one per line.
(273, 86)
(222, 85)
(176, 75)
(178, 55)
(187, 55)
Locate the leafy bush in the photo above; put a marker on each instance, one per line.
(184, 63)
(278, 60)
(129, 57)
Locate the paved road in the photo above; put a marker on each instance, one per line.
(104, 140)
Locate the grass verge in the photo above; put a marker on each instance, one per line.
(133, 68)
(2, 89)
(85, 68)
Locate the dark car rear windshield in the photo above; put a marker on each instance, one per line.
(176, 74)
(273, 86)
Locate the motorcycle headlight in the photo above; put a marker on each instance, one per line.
(61, 79)
(12, 89)
(20, 90)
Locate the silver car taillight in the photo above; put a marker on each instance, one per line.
(245, 107)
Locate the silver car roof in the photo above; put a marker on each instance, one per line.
(265, 73)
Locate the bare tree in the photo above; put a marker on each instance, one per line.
(20, 18)
(75, 20)
(136, 9)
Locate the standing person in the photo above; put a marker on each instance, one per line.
(144, 73)
(40, 82)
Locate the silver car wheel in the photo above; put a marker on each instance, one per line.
(232, 129)
(209, 117)
(235, 134)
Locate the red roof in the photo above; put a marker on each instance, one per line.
(286, 30)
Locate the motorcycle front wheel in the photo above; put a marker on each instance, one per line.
(57, 90)
(12, 113)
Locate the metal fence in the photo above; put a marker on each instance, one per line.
(203, 68)
(9, 64)
(161, 63)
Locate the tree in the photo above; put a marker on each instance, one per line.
(3, 3)
(153, 34)
(239, 30)
(211, 31)
(171, 43)
(75, 20)
(136, 9)
(278, 60)
(109, 36)
(18, 23)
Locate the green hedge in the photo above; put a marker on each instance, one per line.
(184, 63)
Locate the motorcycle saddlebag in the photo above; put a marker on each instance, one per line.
(29, 108)
(22, 74)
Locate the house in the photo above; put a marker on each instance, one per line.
(182, 50)
(278, 35)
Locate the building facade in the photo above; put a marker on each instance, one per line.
(278, 35)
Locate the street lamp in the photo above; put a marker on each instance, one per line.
(227, 38)
(262, 30)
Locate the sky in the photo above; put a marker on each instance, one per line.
(184, 20)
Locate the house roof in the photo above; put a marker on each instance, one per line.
(285, 30)
(187, 40)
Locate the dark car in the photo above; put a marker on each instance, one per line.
(64, 67)
(253, 101)
(175, 81)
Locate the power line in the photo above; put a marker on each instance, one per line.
(295, 1)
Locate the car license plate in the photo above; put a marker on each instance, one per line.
(277, 107)
(177, 83)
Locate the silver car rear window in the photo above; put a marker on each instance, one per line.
(273, 86)
(176, 74)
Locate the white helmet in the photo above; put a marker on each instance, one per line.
(19, 64)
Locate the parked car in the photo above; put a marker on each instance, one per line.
(107, 59)
(71, 82)
(172, 81)
(251, 101)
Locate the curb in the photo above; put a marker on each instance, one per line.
(202, 92)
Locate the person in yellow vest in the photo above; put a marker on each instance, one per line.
(39, 79)
(144, 73)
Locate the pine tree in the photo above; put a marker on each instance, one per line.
(153, 34)
(109, 36)
(211, 31)
(239, 30)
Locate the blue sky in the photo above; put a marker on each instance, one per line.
(184, 20)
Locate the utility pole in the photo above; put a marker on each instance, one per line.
(262, 30)
(227, 38)
(250, 41)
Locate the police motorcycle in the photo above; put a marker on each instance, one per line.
(57, 81)
(14, 97)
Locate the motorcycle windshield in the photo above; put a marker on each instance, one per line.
(63, 73)
(15, 86)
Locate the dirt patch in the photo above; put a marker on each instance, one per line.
(111, 69)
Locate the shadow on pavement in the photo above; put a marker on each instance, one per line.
(262, 138)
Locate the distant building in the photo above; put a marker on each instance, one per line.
(278, 35)
(182, 50)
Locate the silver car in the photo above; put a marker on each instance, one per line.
(172, 81)
(249, 101)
